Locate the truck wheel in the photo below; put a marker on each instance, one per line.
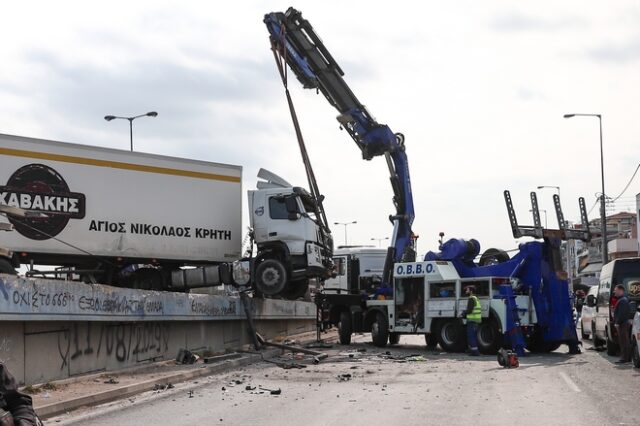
(597, 342)
(451, 336)
(344, 328)
(394, 338)
(489, 336)
(271, 277)
(6, 268)
(296, 290)
(537, 345)
(583, 335)
(432, 341)
(636, 354)
(493, 256)
(380, 330)
(147, 279)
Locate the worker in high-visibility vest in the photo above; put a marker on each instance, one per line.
(473, 314)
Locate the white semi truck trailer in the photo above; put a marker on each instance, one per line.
(135, 220)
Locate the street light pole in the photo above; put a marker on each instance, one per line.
(113, 117)
(379, 240)
(603, 211)
(545, 216)
(345, 224)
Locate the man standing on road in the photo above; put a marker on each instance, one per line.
(622, 321)
(473, 314)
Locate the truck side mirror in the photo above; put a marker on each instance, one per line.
(291, 204)
(591, 301)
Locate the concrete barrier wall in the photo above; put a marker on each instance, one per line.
(41, 341)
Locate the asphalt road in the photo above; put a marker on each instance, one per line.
(431, 388)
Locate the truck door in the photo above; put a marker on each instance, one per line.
(286, 225)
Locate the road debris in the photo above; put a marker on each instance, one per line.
(272, 391)
(111, 381)
(186, 357)
(162, 387)
(344, 377)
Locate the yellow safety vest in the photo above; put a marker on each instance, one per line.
(476, 314)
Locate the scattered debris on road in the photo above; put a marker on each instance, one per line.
(272, 391)
(186, 357)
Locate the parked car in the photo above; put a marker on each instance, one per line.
(619, 271)
(635, 340)
(588, 314)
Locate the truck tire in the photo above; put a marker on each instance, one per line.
(431, 340)
(345, 329)
(147, 279)
(489, 336)
(6, 267)
(380, 330)
(296, 290)
(583, 335)
(271, 277)
(537, 345)
(394, 338)
(635, 353)
(451, 336)
(493, 256)
(597, 342)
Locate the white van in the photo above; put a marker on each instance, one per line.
(619, 271)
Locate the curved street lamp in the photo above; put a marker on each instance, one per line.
(345, 224)
(113, 117)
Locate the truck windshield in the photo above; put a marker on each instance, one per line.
(627, 273)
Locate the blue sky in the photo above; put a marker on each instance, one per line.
(478, 89)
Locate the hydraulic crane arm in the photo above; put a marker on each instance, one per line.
(294, 41)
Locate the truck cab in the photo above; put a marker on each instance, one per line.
(357, 269)
(292, 243)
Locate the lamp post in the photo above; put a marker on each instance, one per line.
(545, 216)
(379, 240)
(113, 117)
(603, 212)
(345, 224)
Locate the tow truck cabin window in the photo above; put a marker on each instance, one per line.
(278, 208)
(443, 289)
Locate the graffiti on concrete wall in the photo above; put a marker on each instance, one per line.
(55, 300)
(124, 342)
(6, 348)
(59, 300)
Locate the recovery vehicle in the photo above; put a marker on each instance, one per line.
(525, 300)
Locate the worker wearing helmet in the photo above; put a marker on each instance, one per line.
(473, 314)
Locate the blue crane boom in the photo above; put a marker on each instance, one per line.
(295, 42)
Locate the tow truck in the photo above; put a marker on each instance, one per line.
(525, 300)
